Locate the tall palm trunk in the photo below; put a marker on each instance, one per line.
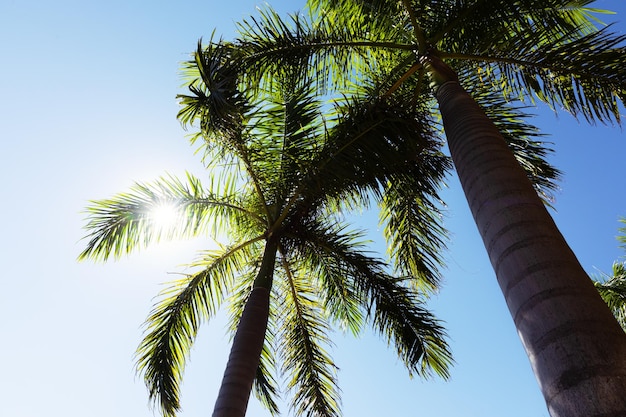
(575, 346)
(245, 353)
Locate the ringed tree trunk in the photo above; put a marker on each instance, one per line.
(575, 346)
(245, 353)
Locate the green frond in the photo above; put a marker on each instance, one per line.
(387, 152)
(378, 16)
(398, 315)
(395, 310)
(173, 323)
(552, 50)
(612, 288)
(221, 110)
(265, 385)
(327, 49)
(285, 133)
(585, 76)
(127, 221)
(486, 25)
(317, 248)
(370, 143)
(214, 100)
(309, 369)
(366, 146)
(622, 233)
(263, 39)
(613, 292)
(416, 237)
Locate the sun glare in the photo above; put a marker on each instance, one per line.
(164, 215)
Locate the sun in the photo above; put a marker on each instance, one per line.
(164, 215)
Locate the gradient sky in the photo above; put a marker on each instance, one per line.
(87, 107)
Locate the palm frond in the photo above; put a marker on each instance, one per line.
(585, 76)
(386, 150)
(372, 142)
(215, 101)
(485, 25)
(613, 292)
(315, 247)
(395, 309)
(213, 78)
(285, 131)
(327, 48)
(622, 233)
(309, 368)
(173, 323)
(265, 385)
(127, 222)
(416, 237)
(398, 314)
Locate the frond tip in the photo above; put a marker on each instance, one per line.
(418, 336)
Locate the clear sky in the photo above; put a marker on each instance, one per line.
(87, 107)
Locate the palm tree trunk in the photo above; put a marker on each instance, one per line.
(575, 346)
(245, 353)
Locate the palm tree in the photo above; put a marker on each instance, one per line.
(613, 291)
(281, 178)
(612, 288)
(548, 50)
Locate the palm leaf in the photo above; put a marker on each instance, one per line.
(211, 78)
(585, 76)
(309, 369)
(370, 142)
(485, 25)
(173, 323)
(315, 247)
(284, 136)
(416, 237)
(622, 230)
(398, 315)
(126, 221)
(396, 310)
(613, 292)
(324, 46)
(265, 386)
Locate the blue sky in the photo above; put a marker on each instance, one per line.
(87, 107)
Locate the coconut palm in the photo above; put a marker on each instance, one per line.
(280, 179)
(547, 50)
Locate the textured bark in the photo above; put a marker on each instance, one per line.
(245, 353)
(575, 346)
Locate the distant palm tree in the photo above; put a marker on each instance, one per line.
(613, 291)
(281, 176)
(551, 50)
(612, 288)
